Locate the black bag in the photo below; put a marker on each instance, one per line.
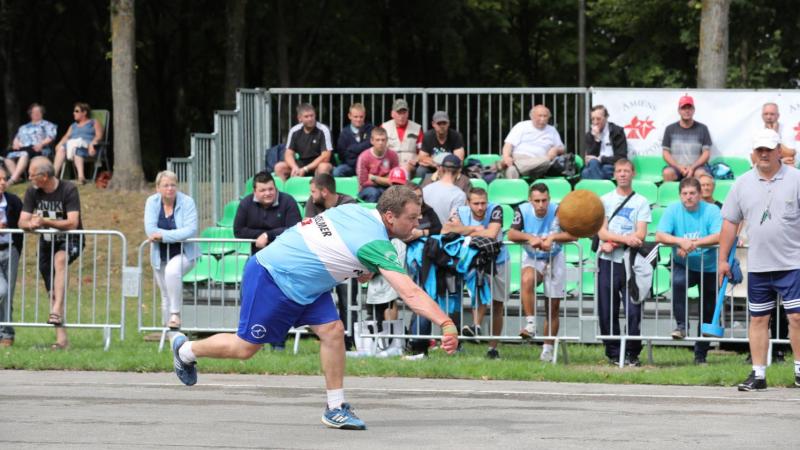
(596, 238)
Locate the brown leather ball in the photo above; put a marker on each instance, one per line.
(581, 213)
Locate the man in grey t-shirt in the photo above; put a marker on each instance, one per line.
(444, 196)
(767, 198)
(687, 145)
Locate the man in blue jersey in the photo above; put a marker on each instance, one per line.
(289, 282)
(536, 225)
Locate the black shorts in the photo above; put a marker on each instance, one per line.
(72, 244)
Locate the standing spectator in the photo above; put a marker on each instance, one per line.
(79, 141)
(707, 189)
(605, 144)
(688, 226)
(531, 146)
(32, 139)
(324, 195)
(10, 247)
(264, 214)
(170, 217)
(625, 225)
(768, 200)
(770, 116)
(404, 136)
(353, 140)
(443, 195)
(536, 225)
(479, 218)
(440, 140)
(687, 145)
(53, 204)
(374, 166)
(308, 146)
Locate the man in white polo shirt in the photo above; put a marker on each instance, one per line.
(531, 146)
(767, 198)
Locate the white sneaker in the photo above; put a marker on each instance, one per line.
(529, 332)
(547, 355)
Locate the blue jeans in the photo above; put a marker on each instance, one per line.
(343, 170)
(610, 290)
(422, 326)
(9, 258)
(595, 170)
(708, 299)
(371, 194)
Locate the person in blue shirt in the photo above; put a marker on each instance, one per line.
(353, 140)
(691, 226)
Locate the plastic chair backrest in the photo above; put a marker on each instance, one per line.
(599, 187)
(668, 193)
(648, 189)
(478, 183)
(721, 189)
(508, 192)
(204, 269)
(228, 214)
(559, 188)
(347, 185)
(299, 188)
(649, 168)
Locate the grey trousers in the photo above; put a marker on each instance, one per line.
(9, 259)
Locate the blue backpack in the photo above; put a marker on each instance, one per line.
(274, 156)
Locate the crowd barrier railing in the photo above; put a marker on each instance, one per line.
(91, 286)
(570, 310)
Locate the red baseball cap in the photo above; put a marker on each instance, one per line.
(398, 176)
(685, 100)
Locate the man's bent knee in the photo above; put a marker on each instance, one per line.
(330, 330)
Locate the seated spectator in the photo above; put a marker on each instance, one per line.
(54, 205)
(32, 139)
(462, 180)
(441, 140)
(536, 225)
(374, 166)
(484, 219)
(687, 145)
(264, 214)
(443, 195)
(170, 217)
(404, 136)
(324, 195)
(770, 116)
(353, 140)
(308, 147)
(707, 184)
(605, 144)
(10, 247)
(531, 146)
(429, 223)
(688, 226)
(79, 141)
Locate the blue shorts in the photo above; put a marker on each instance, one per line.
(267, 313)
(763, 289)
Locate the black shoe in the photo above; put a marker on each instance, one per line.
(778, 357)
(632, 361)
(700, 360)
(493, 354)
(749, 359)
(797, 381)
(613, 360)
(754, 384)
(467, 331)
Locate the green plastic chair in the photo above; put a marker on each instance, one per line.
(217, 248)
(248, 187)
(587, 278)
(368, 205)
(559, 188)
(486, 159)
(662, 281)
(416, 180)
(346, 185)
(479, 183)
(571, 253)
(648, 189)
(299, 188)
(508, 192)
(204, 269)
(721, 189)
(228, 214)
(649, 168)
(279, 184)
(508, 216)
(655, 214)
(599, 187)
(668, 193)
(579, 163)
(514, 268)
(230, 269)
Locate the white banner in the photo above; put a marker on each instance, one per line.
(732, 116)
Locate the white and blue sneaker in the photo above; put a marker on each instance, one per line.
(187, 373)
(343, 418)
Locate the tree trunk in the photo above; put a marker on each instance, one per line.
(581, 43)
(712, 60)
(234, 50)
(128, 174)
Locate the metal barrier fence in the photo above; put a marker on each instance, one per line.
(506, 310)
(209, 290)
(222, 160)
(91, 289)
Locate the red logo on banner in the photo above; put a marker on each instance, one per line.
(639, 129)
(797, 129)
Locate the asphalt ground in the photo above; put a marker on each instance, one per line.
(112, 410)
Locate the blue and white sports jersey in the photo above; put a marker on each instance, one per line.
(525, 220)
(316, 254)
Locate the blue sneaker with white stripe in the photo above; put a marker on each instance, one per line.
(343, 418)
(187, 373)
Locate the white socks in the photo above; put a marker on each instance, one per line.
(335, 398)
(530, 319)
(796, 367)
(547, 348)
(186, 354)
(761, 371)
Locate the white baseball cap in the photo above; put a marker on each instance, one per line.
(766, 138)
